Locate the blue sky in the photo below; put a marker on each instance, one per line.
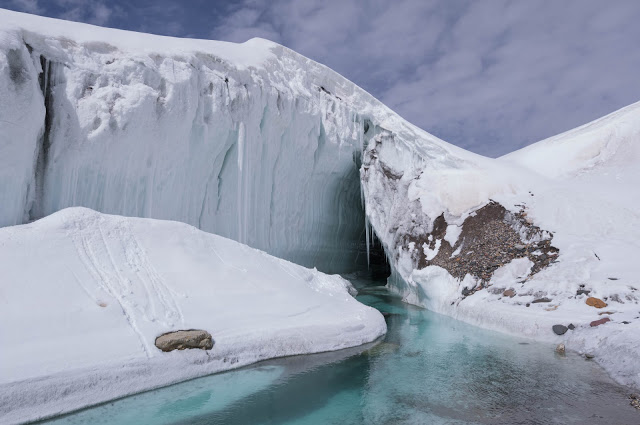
(490, 76)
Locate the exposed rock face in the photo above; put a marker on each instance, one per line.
(596, 302)
(489, 239)
(180, 340)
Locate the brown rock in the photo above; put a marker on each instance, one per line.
(599, 322)
(509, 293)
(596, 302)
(180, 340)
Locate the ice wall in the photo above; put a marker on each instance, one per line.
(251, 141)
(259, 150)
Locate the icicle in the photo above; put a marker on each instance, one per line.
(240, 180)
(367, 229)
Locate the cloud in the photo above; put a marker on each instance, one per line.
(89, 11)
(29, 6)
(488, 76)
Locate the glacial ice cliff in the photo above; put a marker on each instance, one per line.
(249, 141)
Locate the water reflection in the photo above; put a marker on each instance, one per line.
(429, 369)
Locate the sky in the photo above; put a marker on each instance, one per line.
(490, 76)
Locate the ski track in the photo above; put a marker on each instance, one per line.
(100, 262)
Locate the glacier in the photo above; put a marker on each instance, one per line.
(259, 144)
(249, 141)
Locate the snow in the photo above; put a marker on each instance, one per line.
(259, 144)
(581, 185)
(84, 295)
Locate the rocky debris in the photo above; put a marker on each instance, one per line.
(541, 300)
(180, 340)
(612, 278)
(599, 322)
(583, 292)
(509, 293)
(605, 312)
(616, 298)
(588, 356)
(624, 322)
(560, 349)
(490, 238)
(559, 329)
(571, 326)
(634, 400)
(596, 302)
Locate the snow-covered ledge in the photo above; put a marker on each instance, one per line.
(86, 294)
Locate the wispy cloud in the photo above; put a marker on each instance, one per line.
(489, 76)
(29, 6)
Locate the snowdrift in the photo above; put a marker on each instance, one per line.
(84, 295)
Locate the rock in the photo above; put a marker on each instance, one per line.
(599, 322)
(571, 326)
(528, 304)
(588, 356)
(559, 329)
(612, 278)
(583, 292)
(541, 300)
(180, 340)
(596, 302)
(634, 400)
(624, 322)
(560, 349)
(509, 293)
(605, 312)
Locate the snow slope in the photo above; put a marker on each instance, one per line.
(582, 186)
(83, 296)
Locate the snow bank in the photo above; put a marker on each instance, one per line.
(581, 186)
(84, 295)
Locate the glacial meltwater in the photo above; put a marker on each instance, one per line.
(429, 369)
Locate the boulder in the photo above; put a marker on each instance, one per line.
(559, 329)
(541, 300)
(180, 340)
(596, 302)
(599, 322)
(509, 293)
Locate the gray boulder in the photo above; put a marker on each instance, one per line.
(559, 329)
(180, 340)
